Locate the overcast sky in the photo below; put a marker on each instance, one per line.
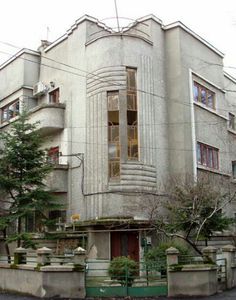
(23, 23)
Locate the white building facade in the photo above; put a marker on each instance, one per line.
(120, 113)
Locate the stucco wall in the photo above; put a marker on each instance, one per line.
(50, 282)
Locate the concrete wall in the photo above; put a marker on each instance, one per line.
(50, 282)
(22, 71)
(192, 281)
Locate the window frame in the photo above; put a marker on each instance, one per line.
(231, 121)
(53, 155)
(207, 156)
(6, 109)
(202, 90)
(54, 96)
(113, 106)
(234, 171)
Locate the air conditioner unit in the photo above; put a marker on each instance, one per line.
(39, 89)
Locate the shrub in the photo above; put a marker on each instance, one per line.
(157, 255)
(123, 269)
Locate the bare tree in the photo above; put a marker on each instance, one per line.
(191, 210)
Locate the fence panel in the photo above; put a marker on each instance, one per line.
(150, 280)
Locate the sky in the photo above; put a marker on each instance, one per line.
(24, 23)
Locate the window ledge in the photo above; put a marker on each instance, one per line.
(214, 112)
(231, 130)
(60, 166)
(6, 123)
(200, 167)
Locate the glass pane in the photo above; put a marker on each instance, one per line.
(113, 133)
(210, 158)
(210, 99)
(5, 114)
(113, 101)
(234, 169)
(215, 159)
(11, 110)
(204, 155)
(195, 92)
(113, 150)
(231, 121)
(114, 169)
(131, 79)
(133, 149)
(131, 101)
(132, 132)
(113, 117)
(17, 108)
(203, 96)
(199, 160)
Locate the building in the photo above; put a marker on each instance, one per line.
(121, 112)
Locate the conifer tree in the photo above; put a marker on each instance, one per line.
(23, 169)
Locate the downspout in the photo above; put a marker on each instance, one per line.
(193, 130)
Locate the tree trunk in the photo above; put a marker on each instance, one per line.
(19, 232)
(6, 245)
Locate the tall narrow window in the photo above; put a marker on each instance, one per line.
(132, 114)
(113, 134)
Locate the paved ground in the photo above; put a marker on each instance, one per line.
(228, 295)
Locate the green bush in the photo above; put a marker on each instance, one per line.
(157, 255)
(123, 269)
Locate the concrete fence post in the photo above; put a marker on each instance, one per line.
(172, 256)
(209, 254)
(43, 256)
(229, 254)
(79, 256)
(20, 256)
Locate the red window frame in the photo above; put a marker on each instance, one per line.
(207, 156)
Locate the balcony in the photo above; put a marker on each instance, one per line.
(57, 180)
(50, 117)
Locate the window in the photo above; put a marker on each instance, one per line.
(132, 115)
(234, 169)
(113, 134)
(53, 155)
(207, 156)
(231, 121)
(54, 96)
(10, 111)
(203, 95)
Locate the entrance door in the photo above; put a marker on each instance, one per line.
(125, 244)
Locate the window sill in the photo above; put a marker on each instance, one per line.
(230, 130)
(214, 112)
(203, 168)
(6, 123)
